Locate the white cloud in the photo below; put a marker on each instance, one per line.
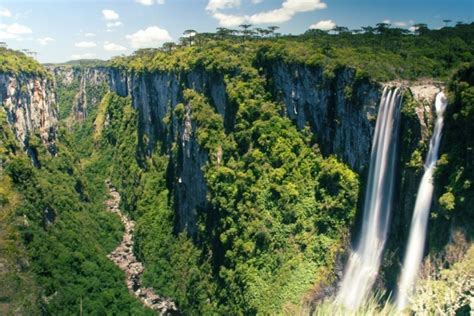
(325, 25)
(303, 5)
(228, 20)
(400, 24)
(17, 29)
(214, 5)
(256, 1)
(274, 16)
(45, 40)
(5, 12)
(110, 15)
(113, 24)
(150, 2)
(387, 21)
(83, 56)
(112, 47)
(13, 31)
(5, 35)
(412, 28)
(152, 36)
(89, 34)
(85, 44)
(283, 14)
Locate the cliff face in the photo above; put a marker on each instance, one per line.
(155, 96)
(29, 102)
(340, 110)
(87, 86)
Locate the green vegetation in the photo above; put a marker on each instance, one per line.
(82, 63)
(21, 293)
(447, 287)
(68, 235)
(277, 211)
(455, 172)
(16, 62)
(55, 235)
(383, 54)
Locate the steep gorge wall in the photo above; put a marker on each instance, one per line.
(86, 84)
(340, 109)
(155, 96)
(29, 102)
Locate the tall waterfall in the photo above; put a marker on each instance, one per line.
(363, 265)
(416, 241)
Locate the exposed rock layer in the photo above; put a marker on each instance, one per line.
(29, 102)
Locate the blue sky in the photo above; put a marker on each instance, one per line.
(61, 30)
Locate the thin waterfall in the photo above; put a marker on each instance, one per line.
(363, 265)
(416, 241)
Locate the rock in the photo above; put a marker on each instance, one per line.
(81, 79)
(124, 258)
(29, 102)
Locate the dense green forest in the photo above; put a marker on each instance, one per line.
(381, 53)
(279, 212)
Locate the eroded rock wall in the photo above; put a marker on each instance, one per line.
(29, 102)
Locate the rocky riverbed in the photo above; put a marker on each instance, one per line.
(124, 258)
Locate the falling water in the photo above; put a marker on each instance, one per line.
(364, 262)
(416, 241)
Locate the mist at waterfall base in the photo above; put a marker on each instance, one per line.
(363, 265)
(417, 236)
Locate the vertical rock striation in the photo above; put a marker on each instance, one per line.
(340, 110)
(88, 85)
(155, 96)
(29, 102)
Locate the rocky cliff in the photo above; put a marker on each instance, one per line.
(80, 89)
(155, 96)
(29, 102)
(340, 108)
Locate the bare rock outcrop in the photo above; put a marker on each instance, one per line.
(30, 105)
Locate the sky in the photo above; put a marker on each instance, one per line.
(62, 30)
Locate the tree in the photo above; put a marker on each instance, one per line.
(188, 36)
(446, 22)
(223, 32)
(169, 46)
(421, 28)
(382, 28)
(368, 29)
(340, 29)
(272, 29)
(246, 31)
(262, 32)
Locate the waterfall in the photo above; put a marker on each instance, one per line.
(416, 241)
(363, 265)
